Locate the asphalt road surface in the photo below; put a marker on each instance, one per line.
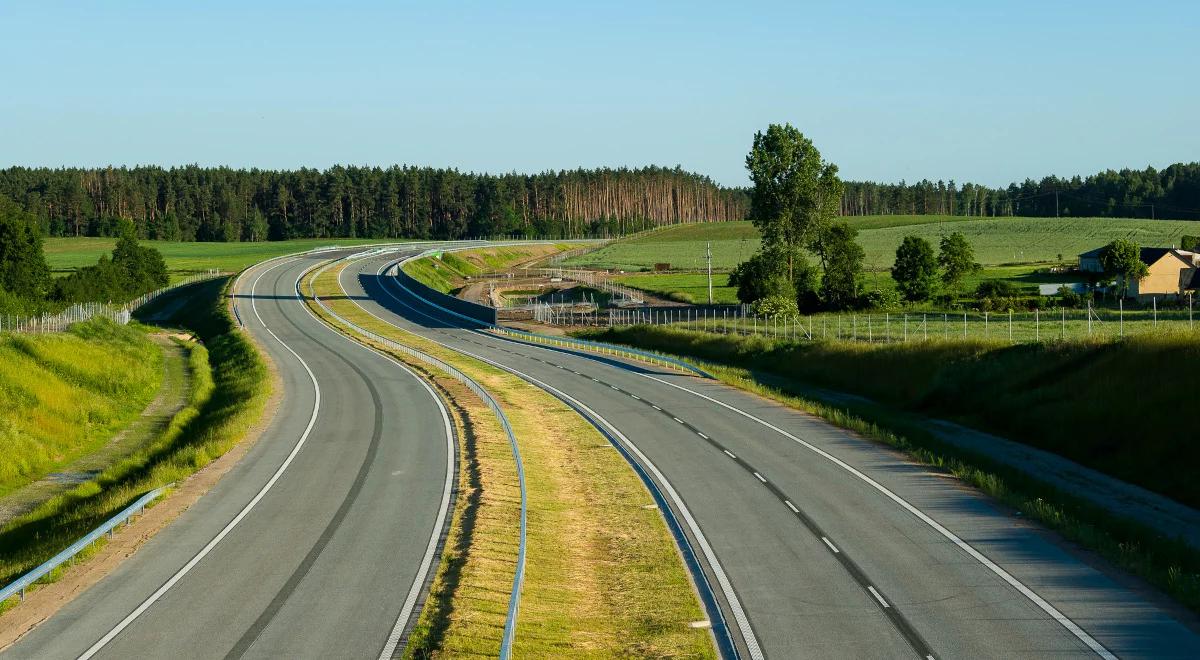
(316, 544)
(818, 544)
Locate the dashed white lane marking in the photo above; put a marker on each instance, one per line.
(636, 397)
(702, 435)
(831, 546)
(655, 407)
(677, 419)
(995, 568)
(615, 388)
(791, 506)
(760, 477)
(878, 597)
(729, 453)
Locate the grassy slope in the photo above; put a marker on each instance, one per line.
(747, 363)
(996, 241)
(1115, 405)
(225, 400)
(452, 269)
(601, 580)
(64, 395)
(184, 258)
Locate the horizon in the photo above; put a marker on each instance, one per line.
(935, 91)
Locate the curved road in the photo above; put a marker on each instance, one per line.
(818, 544)
(316, 544)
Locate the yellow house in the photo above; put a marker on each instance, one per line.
(1171, 272)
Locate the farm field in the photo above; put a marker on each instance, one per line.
(184, 258)
(996, 240)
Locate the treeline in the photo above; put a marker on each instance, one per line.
(223, 204)
(1173, 192)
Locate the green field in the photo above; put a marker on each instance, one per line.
(185, 258)
(996, 240)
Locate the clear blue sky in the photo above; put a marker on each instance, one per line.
(981, 91)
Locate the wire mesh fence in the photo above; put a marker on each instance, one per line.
(883, 327)
(116, 312)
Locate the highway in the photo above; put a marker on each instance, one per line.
(812, 542)
(816, 543)
(317, 544)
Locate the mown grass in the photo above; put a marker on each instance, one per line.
(185, 258)
(996, 240)
(776, 370)
(603, 577)
(229, 389)
(63, 395)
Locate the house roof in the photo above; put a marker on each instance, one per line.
(1148, 255)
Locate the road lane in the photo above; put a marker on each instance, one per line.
(322, 564)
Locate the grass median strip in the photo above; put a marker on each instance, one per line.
(1169, 564)
(603, 577)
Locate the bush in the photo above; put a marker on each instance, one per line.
(783, 306)
(881, 299)
(995, 289)
(1068, 298)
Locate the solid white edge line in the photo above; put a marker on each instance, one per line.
(1079, 633)
(166, 586)
(878, 597)
(735, 604)
(414, 591)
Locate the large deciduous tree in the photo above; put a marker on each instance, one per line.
(795, 192)
(915, 270)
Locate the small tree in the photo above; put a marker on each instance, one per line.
(843, 258)
(1122, 260)
(23, 270)
(915, 270)
(957, 260)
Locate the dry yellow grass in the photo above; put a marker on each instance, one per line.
(603, 577)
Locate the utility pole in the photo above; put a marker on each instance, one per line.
(1056, 202)
(708, 260)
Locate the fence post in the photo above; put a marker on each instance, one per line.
(964, 325)
(1010, 326)
(870, 332)
(1121, 306)
(906, 328)
(1064, 323)
(925, 326)
(1037, 333)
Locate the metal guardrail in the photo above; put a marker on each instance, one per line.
(582, 344)
(510, 622)
(18, 587)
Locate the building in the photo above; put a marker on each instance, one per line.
(1171, 272)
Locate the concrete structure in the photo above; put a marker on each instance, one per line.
(1171, 272)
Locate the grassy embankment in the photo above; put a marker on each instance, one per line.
(602, 575)
(1060, 397)
(64, 395)
(1013, 249)
(449, 272)
(187, 258)
(229, 388)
